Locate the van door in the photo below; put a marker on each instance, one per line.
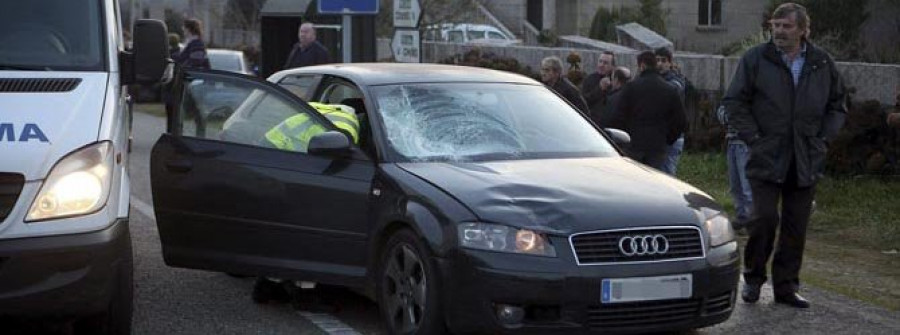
(228, 199)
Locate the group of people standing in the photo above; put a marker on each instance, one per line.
(784, 105)
(649, 107)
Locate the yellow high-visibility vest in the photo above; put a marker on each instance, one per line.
(295, 132)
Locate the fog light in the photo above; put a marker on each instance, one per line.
(509, 315)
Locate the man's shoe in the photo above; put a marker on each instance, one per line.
(793, 300)
(750, 294)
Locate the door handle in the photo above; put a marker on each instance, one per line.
(181, 165)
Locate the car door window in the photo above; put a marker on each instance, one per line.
(337, 92)
(246, 111)
(302, 85)
(495, 36)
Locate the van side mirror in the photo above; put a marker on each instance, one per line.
(150, 54)
(330, 143)
(619, 136)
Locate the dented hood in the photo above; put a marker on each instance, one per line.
(39, 128)
(567, 195)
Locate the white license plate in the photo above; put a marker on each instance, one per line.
(646, 288)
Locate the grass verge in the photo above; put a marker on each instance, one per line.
(853, 236)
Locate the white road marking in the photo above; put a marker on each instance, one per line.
(142, 207)
(329, 323)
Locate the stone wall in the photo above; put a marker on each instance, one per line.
(707, 72)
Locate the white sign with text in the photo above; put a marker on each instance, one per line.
(407, 13)
(406, 46)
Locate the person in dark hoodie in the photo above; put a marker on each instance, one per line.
(651, 112)
(786, 101)
(551, 75)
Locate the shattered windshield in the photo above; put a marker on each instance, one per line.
(488, 121)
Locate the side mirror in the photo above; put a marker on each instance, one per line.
(619, 136)
(151, 51)
(330, 143)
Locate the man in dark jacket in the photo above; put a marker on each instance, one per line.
(620, 77)
(651, 112)
(308, 51)
(597, 86)
(551, 75)
(786, 101)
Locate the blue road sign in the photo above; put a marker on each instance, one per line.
(348, 7)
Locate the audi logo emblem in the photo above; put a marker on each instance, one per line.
(643, 245)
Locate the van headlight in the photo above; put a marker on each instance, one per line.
(719, 228)
(502, 238)
(77, 185)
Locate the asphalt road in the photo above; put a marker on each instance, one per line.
(178, 301)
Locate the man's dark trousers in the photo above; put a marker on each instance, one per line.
(654, 159)
(796, 204)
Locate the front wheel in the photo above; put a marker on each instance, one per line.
(408, 292)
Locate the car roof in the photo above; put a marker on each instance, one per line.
(370, 74)
(224, 51)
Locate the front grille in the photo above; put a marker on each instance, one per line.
(642, 314)
(719, 304)
(10, 187)
(602, 247)
(34, 85)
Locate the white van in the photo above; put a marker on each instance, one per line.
(468, 33)
(65, 123)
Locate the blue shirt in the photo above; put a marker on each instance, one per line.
(796, 66)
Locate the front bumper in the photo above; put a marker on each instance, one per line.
(561, 297)
(62, 276)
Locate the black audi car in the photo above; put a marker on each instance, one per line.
(473, 201)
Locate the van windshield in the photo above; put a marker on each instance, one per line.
(52, 35)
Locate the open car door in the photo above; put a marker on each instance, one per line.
(229, 199)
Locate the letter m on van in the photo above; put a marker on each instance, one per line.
(30, 132)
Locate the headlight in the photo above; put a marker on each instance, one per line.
(720, 231)
(77, 185)
(502, 238)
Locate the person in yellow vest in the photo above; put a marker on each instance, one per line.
(295, 132)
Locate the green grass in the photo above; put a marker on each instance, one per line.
(152, 109)
(864, 211)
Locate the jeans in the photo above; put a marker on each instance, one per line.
(737, 156)
(674, 152)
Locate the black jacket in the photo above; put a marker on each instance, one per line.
(610, 108)
(314, 54)
(781, 122)
(193, 56)
(651, 112)
(567, 90)
(594, 96)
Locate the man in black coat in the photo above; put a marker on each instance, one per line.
(786, 101)
(651, 112)
(551, 75)
(307, 51)
(597, 86)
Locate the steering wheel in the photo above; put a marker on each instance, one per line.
(36, 37)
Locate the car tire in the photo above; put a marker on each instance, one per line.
(407, 287)
(117, 317)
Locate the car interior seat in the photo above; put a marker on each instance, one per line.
(365, 132)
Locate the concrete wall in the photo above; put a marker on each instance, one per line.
(707, 72)
(739, 19)
(510, 12)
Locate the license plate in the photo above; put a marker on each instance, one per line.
(646, 288)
